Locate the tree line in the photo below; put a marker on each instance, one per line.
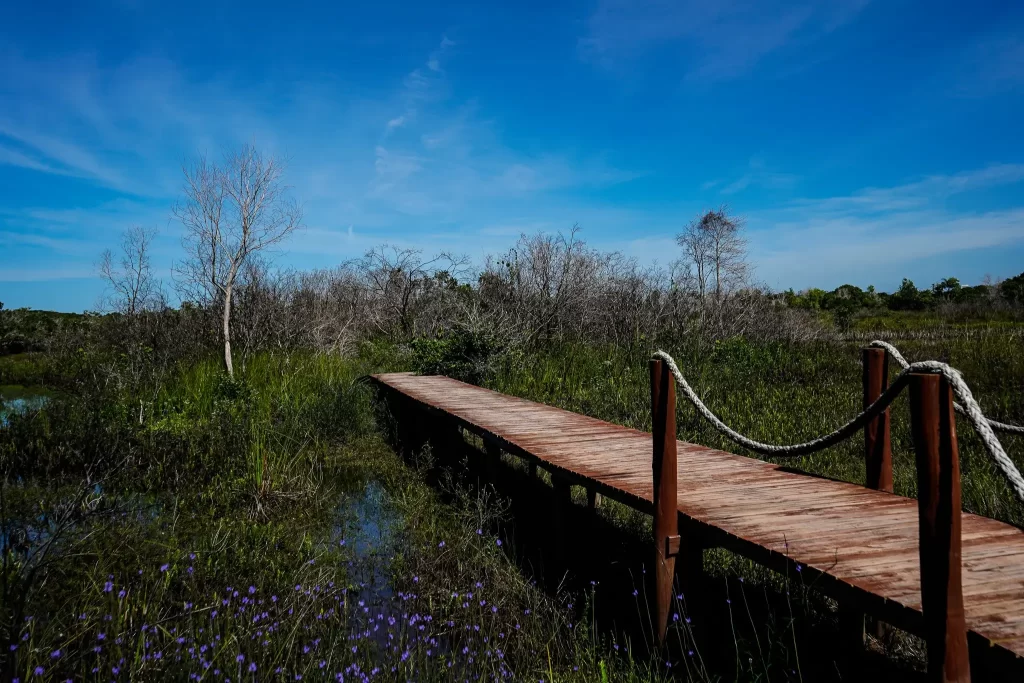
(544, 289)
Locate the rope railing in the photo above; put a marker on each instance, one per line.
(904, 363)
(967, 405)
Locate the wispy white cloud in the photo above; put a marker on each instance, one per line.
(757, 175)
(991, 65)
(717, 40)
(870, 236)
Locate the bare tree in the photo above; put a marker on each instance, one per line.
(728, 250)
(131, 285)
(231, 212)
(403, 285)
(695, 269)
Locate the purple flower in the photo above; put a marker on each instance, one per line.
(441, 544)
(121, 593)
(799, 568)
(39, 671)
(108, 586)
(252, 589)
(164, 567)
(240, 658)
(55, 654)
(498, 542)
(252, 666)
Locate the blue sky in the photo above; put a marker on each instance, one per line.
(863, 141)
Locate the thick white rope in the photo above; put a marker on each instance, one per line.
(960, 390)
(898, 357)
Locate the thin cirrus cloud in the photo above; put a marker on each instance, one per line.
(716, 41)
(871, 235)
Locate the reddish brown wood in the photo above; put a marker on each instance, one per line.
(938, 493)
(877, 443)
(666, 515)
(856, 544)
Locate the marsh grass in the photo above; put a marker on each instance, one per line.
(244, 483)
(204, 488)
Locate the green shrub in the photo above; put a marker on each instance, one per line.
(462, 354)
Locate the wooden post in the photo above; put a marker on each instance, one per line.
(666, 515)
(878, 464)
(877, 444)
(938, 494)
(593, 499)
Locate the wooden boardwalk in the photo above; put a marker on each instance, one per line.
(855, 543)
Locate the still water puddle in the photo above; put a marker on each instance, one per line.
(19, 399)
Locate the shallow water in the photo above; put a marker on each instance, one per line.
(19, 399)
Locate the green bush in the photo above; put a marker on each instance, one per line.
(461, 354)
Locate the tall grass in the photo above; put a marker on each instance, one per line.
(225, 537)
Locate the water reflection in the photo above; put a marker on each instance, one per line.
(18, 399)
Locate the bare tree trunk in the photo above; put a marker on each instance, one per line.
(227, 333)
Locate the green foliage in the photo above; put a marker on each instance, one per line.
(463, 354)
(848, 303)
(1013, 289)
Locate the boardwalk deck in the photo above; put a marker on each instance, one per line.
(856, 544)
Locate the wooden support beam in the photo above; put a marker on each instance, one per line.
(938, 493)
(492, 462)
(561, 502)
(666, 515)
(593, 498)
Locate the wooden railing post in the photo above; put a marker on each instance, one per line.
(938, 494)
(877, 443)
(666, 516)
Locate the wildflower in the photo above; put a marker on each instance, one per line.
(441, 544)
(252, 667)
(121, 593)
(799, 568)
(164, 568)
(252, 589)
(240, 658)
(108, 586)
(55, 654)
(39, 671)
(498, 541)
(191, 556)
